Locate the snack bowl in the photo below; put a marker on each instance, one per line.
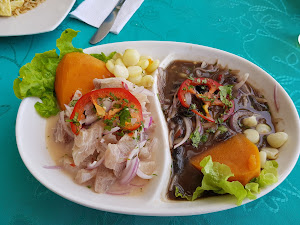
(152, 200)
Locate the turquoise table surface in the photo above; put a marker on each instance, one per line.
(264, 32)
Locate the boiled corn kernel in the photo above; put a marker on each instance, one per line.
(153, 66)
(119, 62)
(250, 121)
(143, 63)
(121, 71)
(272, 153)
(263, 128)
(136, 79)
(134, 71)
(252, 135)
(276, 140)
(131, 57)
(147, 81)
(263, 158)
(110, 65)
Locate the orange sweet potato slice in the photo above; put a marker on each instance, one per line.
(76, 71)
(240, 154)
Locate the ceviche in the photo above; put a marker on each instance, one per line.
(221, 132)
(104, 129)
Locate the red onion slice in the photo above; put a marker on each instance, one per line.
(142, 175)
(234, 119)
(198, 125)
(276, 99)
(188, 130)
(95, 164)
(125, 86)
(130, 172)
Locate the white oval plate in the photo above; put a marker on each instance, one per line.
(30, 134)
(45, 17)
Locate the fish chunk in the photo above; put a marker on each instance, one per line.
(86, 143)
(104, 179)
(84, 175)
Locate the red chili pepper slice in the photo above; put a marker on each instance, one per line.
(121, 95)
(209, 98)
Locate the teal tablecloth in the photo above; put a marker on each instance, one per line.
(262, 31)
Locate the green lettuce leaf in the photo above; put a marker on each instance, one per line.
(215, 178)
(268, 175)
(64, 43)
(37, 77)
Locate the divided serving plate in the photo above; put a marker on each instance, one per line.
(152, 201)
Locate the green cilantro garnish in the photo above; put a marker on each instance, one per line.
(73, 103)
(197, 138)
(191, 78)
(108, 124)
(222, 128)
(125, 100)
(226, 91)
(124, 116)
(193, 106)
(74, 120)
(114, 97)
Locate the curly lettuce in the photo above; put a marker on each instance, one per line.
(37, 77)
(215, 178)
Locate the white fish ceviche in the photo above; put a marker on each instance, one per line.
(109, 132)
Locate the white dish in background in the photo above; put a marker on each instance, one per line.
(45, 17)
(153, 200)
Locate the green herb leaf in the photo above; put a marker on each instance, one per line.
(103, 57)
(197, 138)
(226, 91)
(222, 128)
(124, 116)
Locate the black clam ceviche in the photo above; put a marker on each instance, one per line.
(221, 133)
(101, 129)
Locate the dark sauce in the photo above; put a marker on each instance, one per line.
(184, 176)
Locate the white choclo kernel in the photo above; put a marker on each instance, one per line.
(147, 81)
(153, 66)
(134, 71)
(147, 57)
(110, 65)
(121, 71)
(131, 57)
(272, 153)
(263, 128)
(136, 79)
(117, 56)
(250, 121)
(252, 135)
(263, 158)
(276, 140)
(119, 62)
(143, 63)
